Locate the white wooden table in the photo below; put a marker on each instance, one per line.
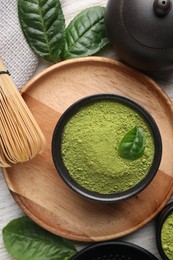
(145, 237)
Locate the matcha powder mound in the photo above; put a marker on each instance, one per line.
(90, 147)
(167, 237)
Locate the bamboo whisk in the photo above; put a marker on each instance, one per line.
(20, 136)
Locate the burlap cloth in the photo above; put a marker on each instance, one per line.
(18, 59)
(14, 50)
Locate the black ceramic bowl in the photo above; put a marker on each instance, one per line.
(62, 170)
(114, 251)
(167, 210)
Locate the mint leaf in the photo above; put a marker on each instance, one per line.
(132, 144)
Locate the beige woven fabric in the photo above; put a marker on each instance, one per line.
(14, 50)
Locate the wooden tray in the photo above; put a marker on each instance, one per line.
(36, 186)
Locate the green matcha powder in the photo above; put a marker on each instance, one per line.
(90, 147)
(167, 237)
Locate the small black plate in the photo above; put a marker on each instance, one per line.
(114, 251)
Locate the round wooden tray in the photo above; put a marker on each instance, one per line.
(37, 187)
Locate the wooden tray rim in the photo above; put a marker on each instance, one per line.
(18, 198)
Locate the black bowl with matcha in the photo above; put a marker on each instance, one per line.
(106, 147)
(164, 232)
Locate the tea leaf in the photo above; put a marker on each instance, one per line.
(132, 144)
(25, 240)
(43, 25)
(85, 35)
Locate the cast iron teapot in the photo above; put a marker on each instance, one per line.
(141, 32)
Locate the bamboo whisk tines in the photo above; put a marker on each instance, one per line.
(20, 136)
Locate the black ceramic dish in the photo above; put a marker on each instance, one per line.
(114, 251)
(58, 160)
(168, 209)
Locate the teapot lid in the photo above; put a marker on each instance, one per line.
(149, 22)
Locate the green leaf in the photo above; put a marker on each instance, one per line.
(85, 34)
(25, 240)
(43, 25)
(132, 144)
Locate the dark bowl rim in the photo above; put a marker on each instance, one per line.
(61, 169)
(166, 211)
(119, 243)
